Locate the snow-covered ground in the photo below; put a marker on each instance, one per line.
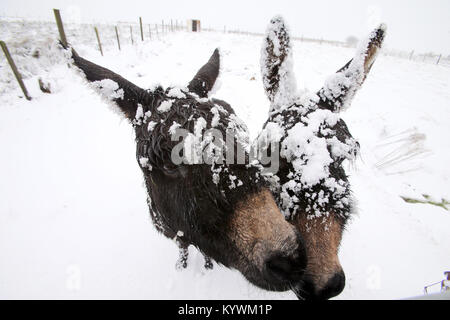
(74, 222)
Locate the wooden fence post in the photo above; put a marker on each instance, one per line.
(156, 29)
(162, 27)
(98, 39)
(411, 55)
(62, 34)
(439, 59)
(150, 31)
(117, 36)
(142, 31)
(131, 34)
(14, 69)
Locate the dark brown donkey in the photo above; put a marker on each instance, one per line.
(224, 209)
(311, 186)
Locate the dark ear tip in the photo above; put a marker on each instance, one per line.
(63, 45)
(68, 47)
(380, 33)
(205, 78)
(215, 58)
(277, 19)
(278, 27)
(382, 27)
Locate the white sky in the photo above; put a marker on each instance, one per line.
(422, 25)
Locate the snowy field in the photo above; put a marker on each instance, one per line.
(74, 222)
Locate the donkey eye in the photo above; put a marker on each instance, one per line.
(171, 171)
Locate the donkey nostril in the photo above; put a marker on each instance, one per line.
(308, 289)
(334, 286)
(285, 268)
(279, 266)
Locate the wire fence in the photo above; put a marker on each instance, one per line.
(29, 46)
(430, 57)
(29, 38)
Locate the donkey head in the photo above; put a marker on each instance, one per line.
(223, 207)
(311, 186)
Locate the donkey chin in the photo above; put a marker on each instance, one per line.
(226, 210)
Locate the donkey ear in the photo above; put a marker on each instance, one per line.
(205, 78)
(276, 64)
(339, 89)
(112, 86)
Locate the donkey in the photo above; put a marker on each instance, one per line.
(225, 209)
(311, 186)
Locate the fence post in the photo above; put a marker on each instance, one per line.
(411, 55)
(150, 31)
(439, 58)
(62, 34)
(156, 29)
(142, 31)
(98, 40)
(131, 34)
(162, 27)
(171, 25)
(117, 36)
(14, 69)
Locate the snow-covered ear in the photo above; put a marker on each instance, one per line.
(205, 78)
(276, 64)
(340, 88)
(112, 86)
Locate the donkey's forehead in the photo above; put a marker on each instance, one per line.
(314, 141)
(207, 127)
(184, 110)
(171, 105)
(305, 131)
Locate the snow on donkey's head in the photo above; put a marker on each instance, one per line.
(224, 208)
(311, 187)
